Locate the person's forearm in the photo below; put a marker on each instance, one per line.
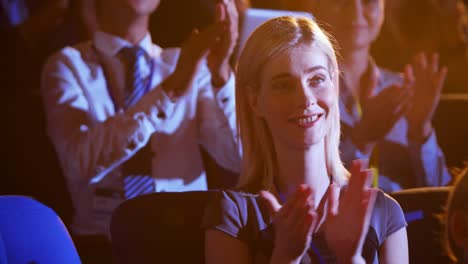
(419, 133)
(89, 147)
(93, 151)
(217, 124)
(220, 77)
(428, 162)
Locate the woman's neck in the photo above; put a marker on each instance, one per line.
(131, 29)
(303, 166)
(354, 65)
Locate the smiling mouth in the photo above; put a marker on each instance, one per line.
(307, 121)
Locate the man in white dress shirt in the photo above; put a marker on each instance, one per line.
(190, 102)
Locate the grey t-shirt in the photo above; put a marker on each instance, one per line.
(246, 217)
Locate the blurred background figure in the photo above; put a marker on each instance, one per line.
(127, 117)
(386, 118)
(426, 25)
(435, 26)
(195, 15)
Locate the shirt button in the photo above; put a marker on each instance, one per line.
(99, 169)
(140, 137)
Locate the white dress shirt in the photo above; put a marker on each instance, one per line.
(82, 88)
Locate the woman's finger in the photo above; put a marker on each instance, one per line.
(220, 12)
(367, 206)
(440, 79)
(356, 181)
(408, 76)
(333, 199)
(273, 205)
(421, 61)
(300, 206)
(309, 223)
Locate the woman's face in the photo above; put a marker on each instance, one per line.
(295, 97)
(134, 7)
(354, 23)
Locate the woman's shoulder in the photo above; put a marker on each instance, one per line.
(387, 216)
(385, 203)
(236, 213)
(247, 205)
(238, 196)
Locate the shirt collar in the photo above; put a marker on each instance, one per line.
(110, 44)
(372, 66)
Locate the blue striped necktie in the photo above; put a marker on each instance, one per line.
(137, 171)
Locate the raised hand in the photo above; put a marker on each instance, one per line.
(348, 218)
(220, 54)
(427, 81)
(294, 223)
(379, 113)
(193, 51)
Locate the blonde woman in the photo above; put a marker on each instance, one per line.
(289, 209)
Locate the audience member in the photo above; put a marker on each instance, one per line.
(288, 115)
(442, 26)
(385, 118)
(431, 26)
(457, 219)
(113, 145)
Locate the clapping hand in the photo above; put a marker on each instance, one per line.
(379, 112)
(349, 217)
(427, 81)
(220, 53)
(192, 53)
(294, 224)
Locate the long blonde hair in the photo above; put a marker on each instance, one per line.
(271, 39)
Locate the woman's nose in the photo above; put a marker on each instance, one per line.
(354, 10)
(305, 97)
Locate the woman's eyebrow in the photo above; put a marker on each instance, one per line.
(316, 68)
(308, 70)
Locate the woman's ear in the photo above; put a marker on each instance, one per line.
(458, 228)
(254, 103)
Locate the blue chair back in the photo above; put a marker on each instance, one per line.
(33, 233)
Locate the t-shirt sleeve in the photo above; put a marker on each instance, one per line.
(395, 216)
(387, 217)
(223, 213)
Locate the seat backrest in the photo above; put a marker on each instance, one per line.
(33, 233)
(423, 208)
(160, 228)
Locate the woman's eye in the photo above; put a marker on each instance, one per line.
(316, 80)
